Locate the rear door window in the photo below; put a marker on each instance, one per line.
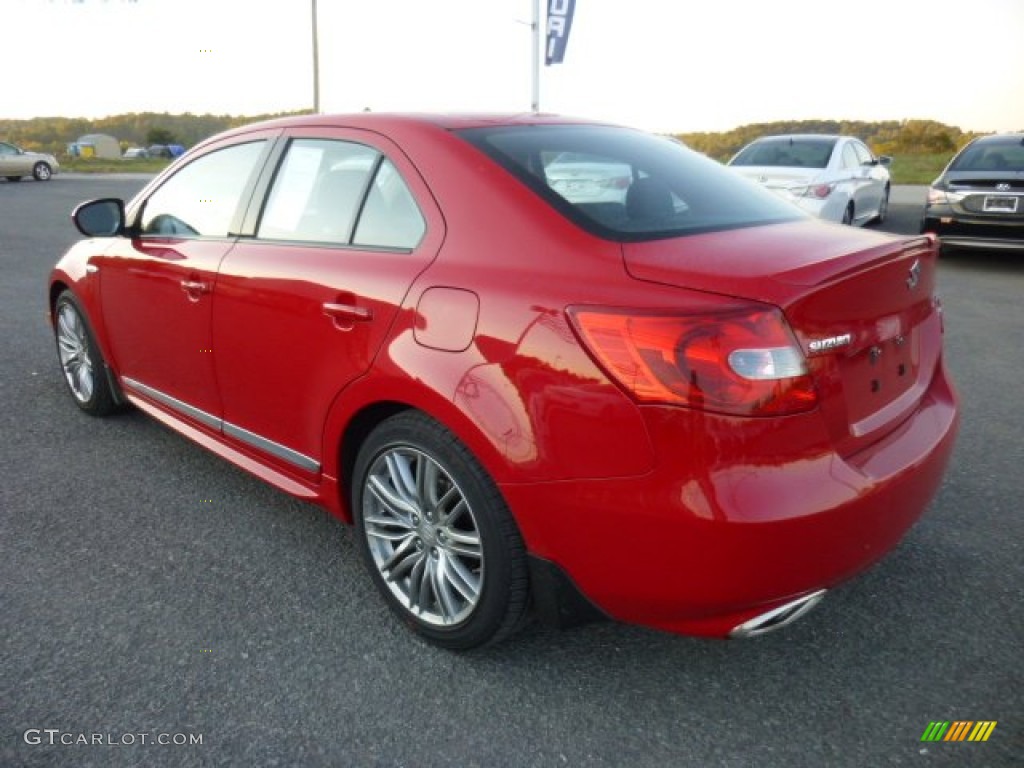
(342, 193)
(863, 153)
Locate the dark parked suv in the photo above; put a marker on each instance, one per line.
(978, 201)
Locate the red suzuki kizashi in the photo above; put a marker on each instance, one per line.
(543, 365)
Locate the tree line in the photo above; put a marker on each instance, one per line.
(885, 137)
(136, 129)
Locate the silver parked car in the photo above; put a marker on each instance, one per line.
(16, 163)
(833, 177)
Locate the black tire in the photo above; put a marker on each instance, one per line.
(14, 178)
(42, 172)
(85, 371)
(848, 215)
(437, 536)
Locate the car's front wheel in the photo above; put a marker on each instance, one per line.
(848, 214)
(439, 541)
(80, 358)
(42, 172)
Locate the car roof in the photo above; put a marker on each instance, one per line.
(788, 136)
(391, 121)
(1005, 139)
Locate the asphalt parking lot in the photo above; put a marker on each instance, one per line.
(150, 589)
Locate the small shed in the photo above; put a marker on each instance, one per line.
(96, 145)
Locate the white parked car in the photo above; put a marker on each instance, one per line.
(833, 177)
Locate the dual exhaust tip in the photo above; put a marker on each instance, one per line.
(778, 617)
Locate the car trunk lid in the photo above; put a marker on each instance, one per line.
(776, 178)
(860, 303)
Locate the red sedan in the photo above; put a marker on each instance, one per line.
(681, 403)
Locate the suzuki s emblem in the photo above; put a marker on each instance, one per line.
(1003, 187)
(915, 275)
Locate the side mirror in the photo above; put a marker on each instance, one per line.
(100, 218)
(885, 160)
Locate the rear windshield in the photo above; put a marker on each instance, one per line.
(627, 185)
(786, 152)
(991, 156)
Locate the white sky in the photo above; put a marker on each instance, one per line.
(663, 65)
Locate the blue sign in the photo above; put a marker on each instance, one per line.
(559, 23)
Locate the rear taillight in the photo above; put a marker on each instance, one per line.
(939, 196)
(742, 360)
(615, 182)
(819, 191)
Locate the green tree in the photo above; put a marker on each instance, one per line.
(160, 136)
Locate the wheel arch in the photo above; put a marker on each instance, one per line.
(359, 427)
(94, 321)
(57, 287)
(374, 398)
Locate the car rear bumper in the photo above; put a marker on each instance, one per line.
(707, 553)
(966, 232)
(830, 209)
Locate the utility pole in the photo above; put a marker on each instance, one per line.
(316, 65)
(535, 28)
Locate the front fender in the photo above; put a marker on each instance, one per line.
(75, 272)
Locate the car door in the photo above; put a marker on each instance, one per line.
(156, 286)
(9, 159)
(851, 178)
(873, 179)
(302, 306)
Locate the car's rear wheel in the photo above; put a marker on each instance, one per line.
(80, 358)
(848, 214)
(42, 172)
(14, 178)
(439, 541)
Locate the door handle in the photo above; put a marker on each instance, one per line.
(344, 315)
(194, 289)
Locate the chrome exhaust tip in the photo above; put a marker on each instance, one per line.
(778, 617)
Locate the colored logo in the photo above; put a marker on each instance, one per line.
(959, 730)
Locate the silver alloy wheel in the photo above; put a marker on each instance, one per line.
(42, 172)
(73, 346)
(422, 536)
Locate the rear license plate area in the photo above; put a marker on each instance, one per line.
(879, 374)
(1000, 204)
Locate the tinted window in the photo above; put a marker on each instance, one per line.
(318, 190)
(668, 190)
(850, 159)
(390, 217)
(7, 149)
(787, 153)
(340, 192)
(991, 156)
(863, 153)
(203, 197)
